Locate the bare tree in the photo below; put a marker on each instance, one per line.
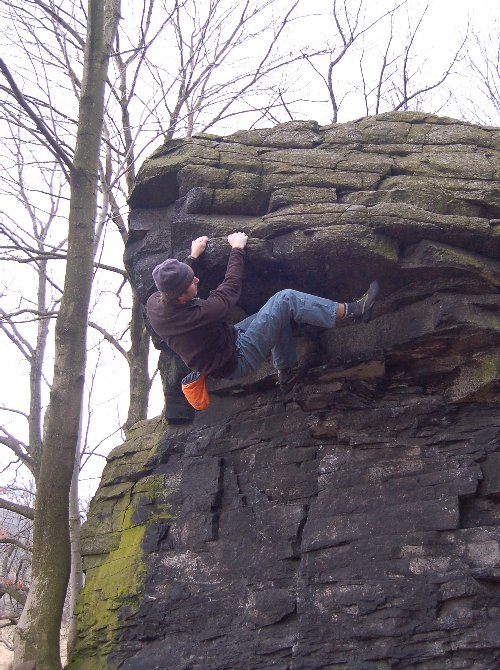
(388, 67)
(389, 50)
(350, 26)
(205, 63)
(406, 87)
(483, 60)
(40, 621)
(15, 563)
(27, 244)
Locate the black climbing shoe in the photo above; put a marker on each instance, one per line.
(288, 377)
(361, 309)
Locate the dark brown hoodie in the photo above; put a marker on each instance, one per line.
(197, 330)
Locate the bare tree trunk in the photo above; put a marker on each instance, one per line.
(36, 364)
(76, 575)
(138, 356)
(39, 627)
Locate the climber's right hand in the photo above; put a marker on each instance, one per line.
(237, 240)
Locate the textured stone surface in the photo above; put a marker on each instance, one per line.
(354, 523)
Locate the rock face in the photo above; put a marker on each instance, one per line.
(353, 523)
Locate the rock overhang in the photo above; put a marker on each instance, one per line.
(326, 208)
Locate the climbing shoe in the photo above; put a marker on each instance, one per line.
(288, 377)
(361, 309)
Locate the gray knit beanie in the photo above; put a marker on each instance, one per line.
(172, 277)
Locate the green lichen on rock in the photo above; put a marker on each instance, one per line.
(114, 558)
(110, 586)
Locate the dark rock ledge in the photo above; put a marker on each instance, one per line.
(354, 523)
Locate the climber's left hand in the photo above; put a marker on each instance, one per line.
(198, 246)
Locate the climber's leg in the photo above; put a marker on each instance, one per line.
(270, 329)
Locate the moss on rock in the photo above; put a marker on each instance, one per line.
(114, 560)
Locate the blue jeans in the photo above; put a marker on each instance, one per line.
(270, 329)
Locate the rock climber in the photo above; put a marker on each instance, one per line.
(197, 329)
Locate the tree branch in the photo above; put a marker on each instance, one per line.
(41, 126)
(58, 19)
(18, 594)
(8, 619)
(22, 510)
(34, 312)
(15, 543)
(110, 268)
(19, 449)
(109, 338)
(15, 336)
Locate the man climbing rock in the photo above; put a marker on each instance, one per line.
(197, 330)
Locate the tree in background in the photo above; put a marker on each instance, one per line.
(400, 83)
(28, 244)
(15, 561)
(39, 627)
(483, 60)
(349, 28)
(380, 60)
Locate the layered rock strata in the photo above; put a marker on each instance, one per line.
(354, 522)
